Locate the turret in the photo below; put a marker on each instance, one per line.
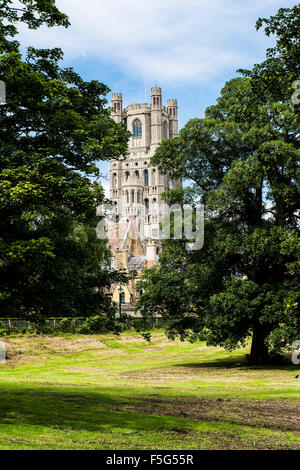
(117, 106)
(173, 119)
(156, 98)
(150, 254)
(156, 116)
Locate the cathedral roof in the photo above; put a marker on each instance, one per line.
(136, 262)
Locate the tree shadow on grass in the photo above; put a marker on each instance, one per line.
(234, 361)
(96, 412)
(237, 362)
(49, 411)
(239, 366)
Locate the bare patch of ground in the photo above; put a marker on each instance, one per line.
(272, 414)
(210, 374)
(31, 348)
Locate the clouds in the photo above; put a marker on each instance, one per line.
(178, 41)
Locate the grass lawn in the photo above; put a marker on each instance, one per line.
(109, 392)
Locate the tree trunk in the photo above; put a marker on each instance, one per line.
(259, 352)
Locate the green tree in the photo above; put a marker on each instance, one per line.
(54, 128)
(274, 78)
(243, 159)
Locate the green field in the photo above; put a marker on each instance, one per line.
(109, 392)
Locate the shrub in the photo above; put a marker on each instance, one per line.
(65, 325)
(99, 324)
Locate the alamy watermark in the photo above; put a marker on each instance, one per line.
(296, 94)
(2, 352)
(2, 93)
(296, 353)
(156, 221)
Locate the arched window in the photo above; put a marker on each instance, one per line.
(127, 197)
(138, 196)
(127, 174)
(165, 130)
(132, 196)
(146, 206)
(146, 174)
(153, 177)
(114, 180)
(137, 128)
(137, 175)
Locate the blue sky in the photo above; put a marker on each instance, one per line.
(189, 48)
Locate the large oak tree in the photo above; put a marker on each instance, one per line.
(243, 160)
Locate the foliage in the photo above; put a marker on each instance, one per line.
(99, 324)
(243, 159)
(273, 79)
(54, 128)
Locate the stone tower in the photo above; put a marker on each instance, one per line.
(135, 185)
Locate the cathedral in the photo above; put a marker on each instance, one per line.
(135, 188)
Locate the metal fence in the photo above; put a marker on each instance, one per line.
(70, 324)
(52, 323)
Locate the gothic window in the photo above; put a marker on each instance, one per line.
(132, 196)
(146, 206)
(137, 175)
(153, 176)
(138, 197)
(127, 174)
(146, 174)
(139, 292)
(137, 128)
(114, 180)
(165, 130)
(127, 197)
